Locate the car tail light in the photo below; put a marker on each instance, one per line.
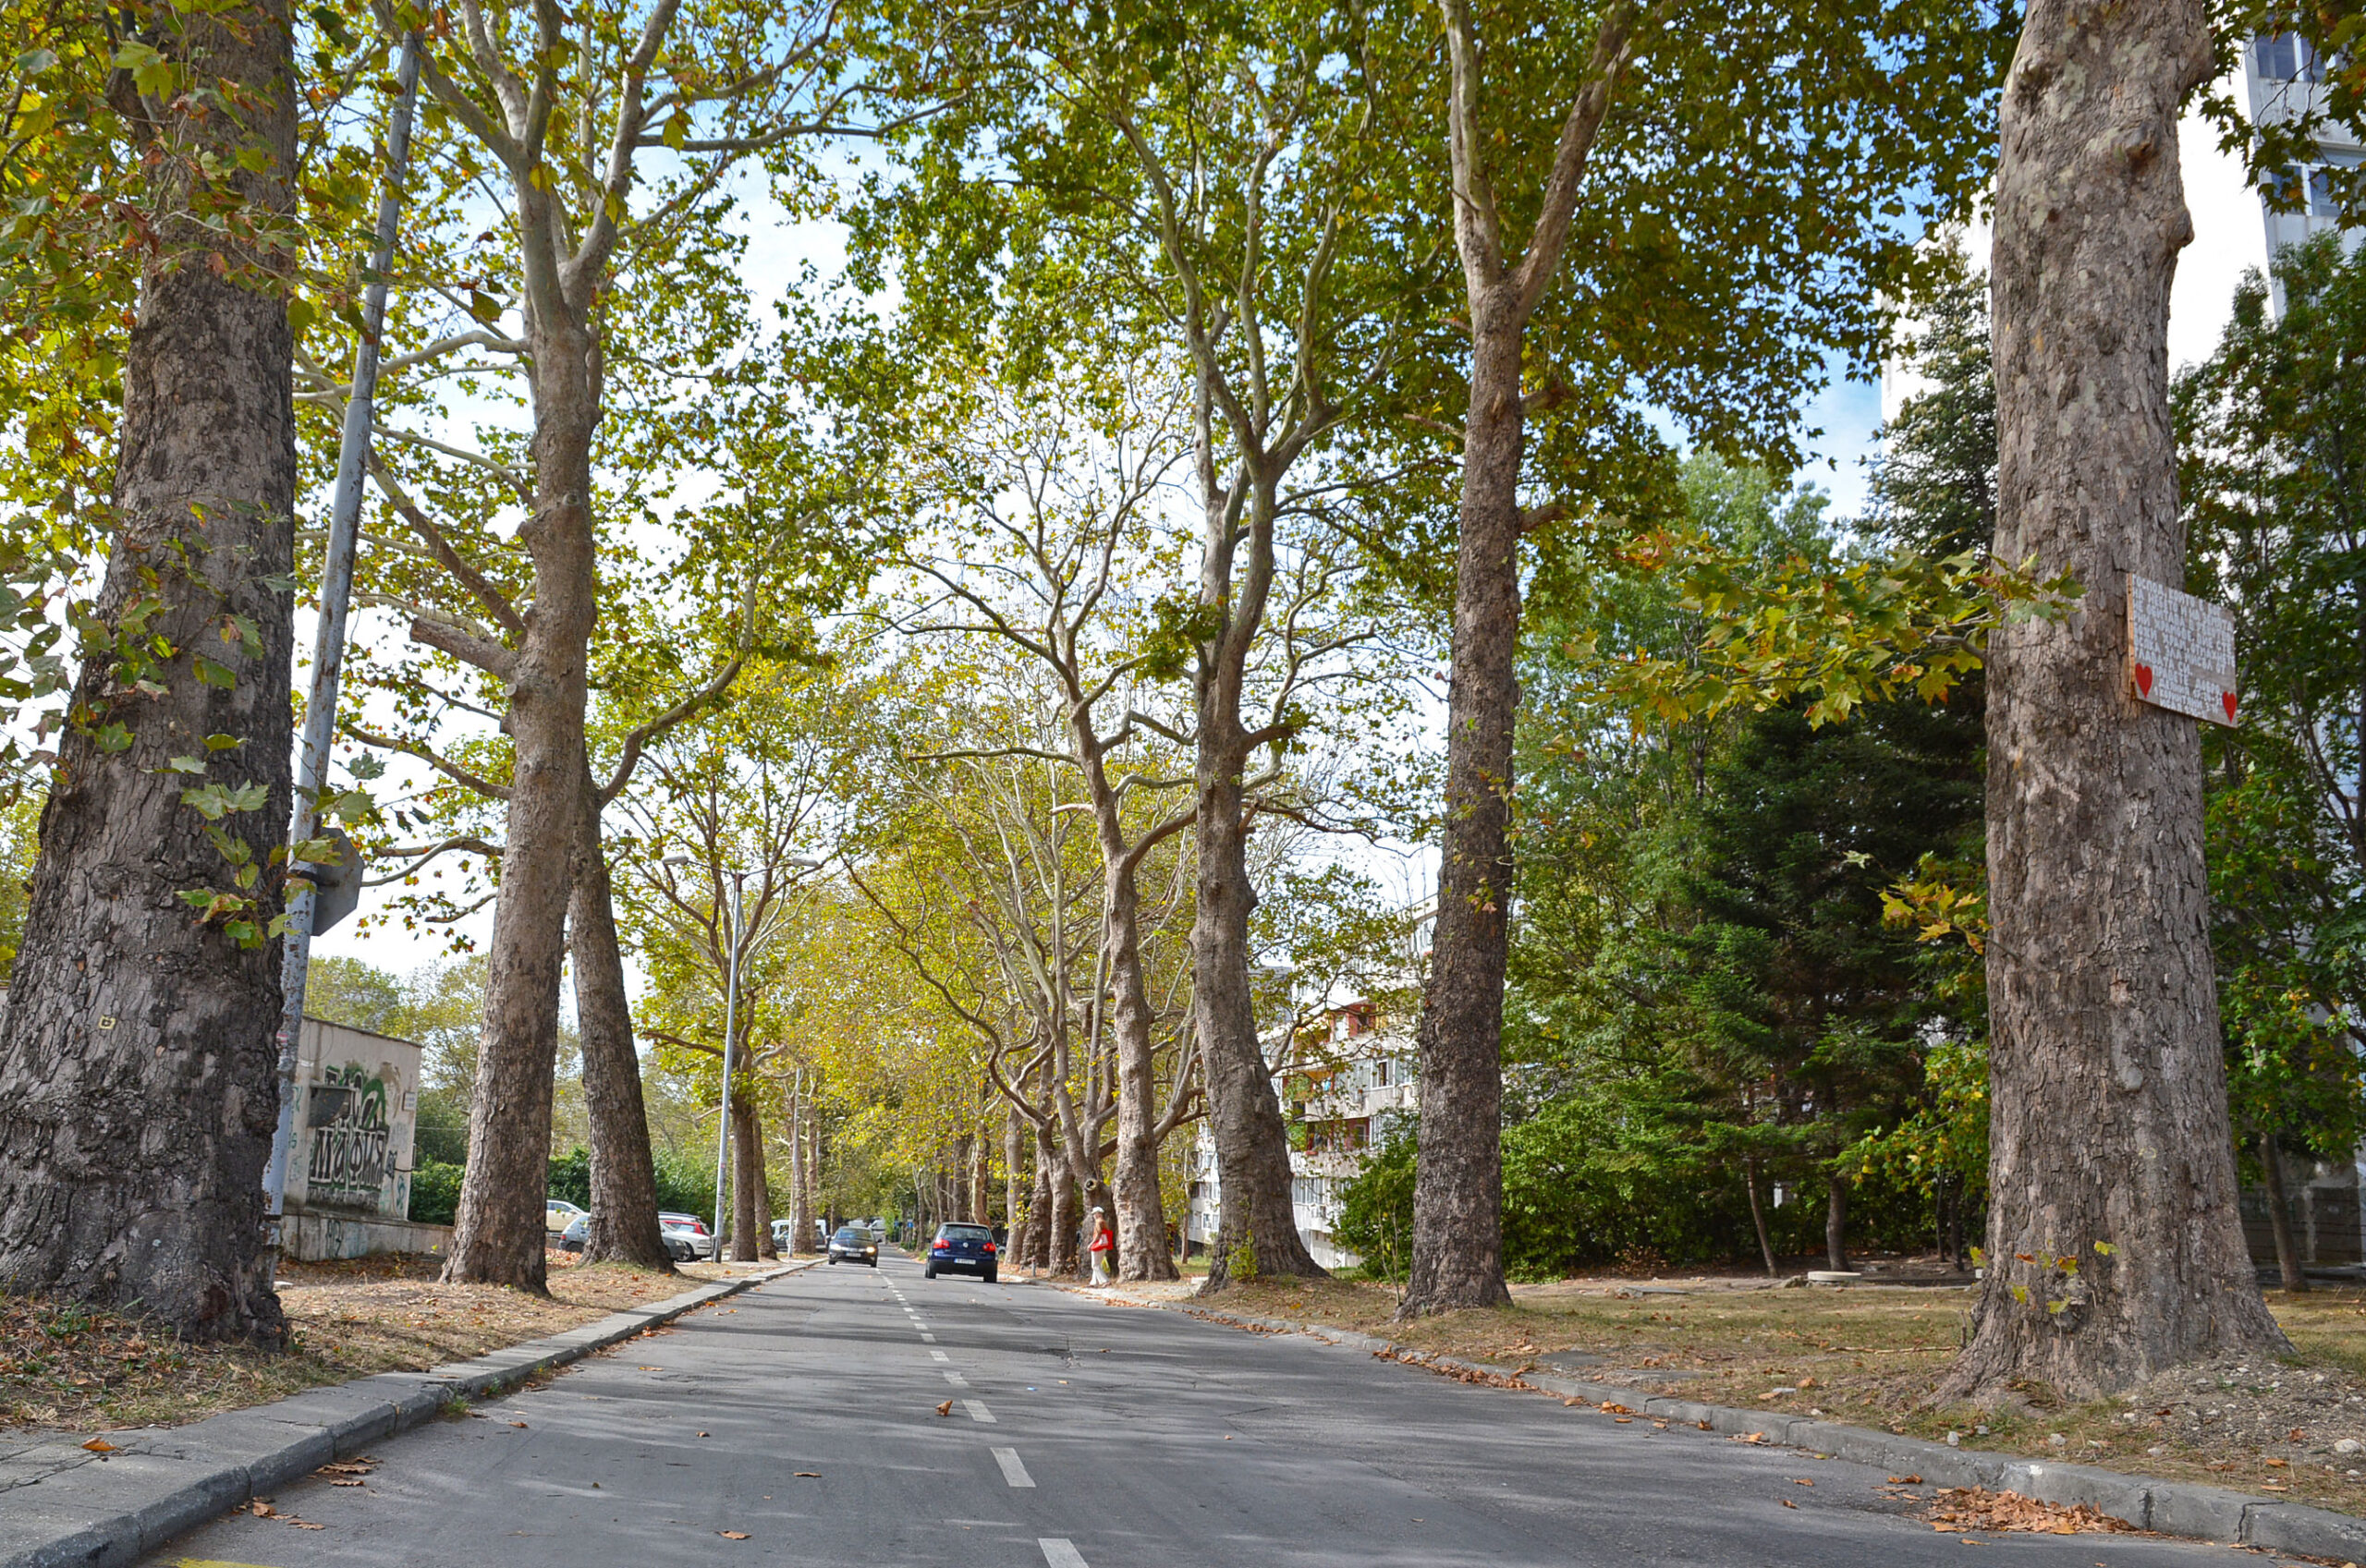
(990, 1246)
(942, 1246)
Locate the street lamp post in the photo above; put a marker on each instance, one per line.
(730, 1039)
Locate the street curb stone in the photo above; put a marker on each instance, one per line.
(2171, 1508)
(62, 1506)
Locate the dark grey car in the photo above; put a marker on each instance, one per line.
(853, 1244)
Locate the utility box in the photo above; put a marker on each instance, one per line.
(348, 1177)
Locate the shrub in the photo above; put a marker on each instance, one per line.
(436, 1192)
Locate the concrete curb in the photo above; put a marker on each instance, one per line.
(2173, 1508)
(62, 1506)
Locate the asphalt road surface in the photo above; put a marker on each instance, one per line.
(803, 1417)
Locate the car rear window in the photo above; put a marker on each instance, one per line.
(851, 1233)
(965, 1232)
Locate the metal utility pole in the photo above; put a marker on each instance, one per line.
(730, 1038)
(328, 646)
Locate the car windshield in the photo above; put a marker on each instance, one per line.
(851, 1233)
(676, 1222)
(965, 1232)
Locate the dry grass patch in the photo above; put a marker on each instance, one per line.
(65, 1366)
(1873, 1354)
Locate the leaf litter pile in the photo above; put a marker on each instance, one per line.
(1959, 1509)
(68, 1367)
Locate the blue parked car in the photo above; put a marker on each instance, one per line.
(969, 1247)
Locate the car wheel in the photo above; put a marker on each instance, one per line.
(834, 1262)
(990, 1276)
(873, 1262)
(928, 1270)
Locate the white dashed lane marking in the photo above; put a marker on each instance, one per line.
(1058, 1553)
(938, 1356)
(957, 1379)
(978, 1411)
(1012, 1470)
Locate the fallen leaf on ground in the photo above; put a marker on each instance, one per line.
(303, 1523)
(701, 1434)
(945, 1409)
(811, 1474)
(100, 1445)
(521, 1423)
(1788, 1503)
(1958, 1509)
(733, 1535)
(1906, 1481)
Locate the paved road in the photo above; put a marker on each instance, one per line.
(1079, 1434)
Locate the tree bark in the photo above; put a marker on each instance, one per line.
(497, 1238)
(1758, 1215)
(2115, 1249)
(2279, 1214)
(1836, 1225)
(1134, 1185)
(1458, 1179)
(760, 1186)
(138, 1085)
(1255, 1218)
(1013, 1158)
(1060, 1254)
(1458, 1187)
(747, 1152)
(624, 1226)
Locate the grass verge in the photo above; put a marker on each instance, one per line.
(1873, 1355)
(64, 1367)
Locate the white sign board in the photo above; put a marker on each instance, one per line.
(2180, 653)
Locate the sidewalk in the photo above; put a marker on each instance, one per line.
(2176, 1508)
(104, 1502)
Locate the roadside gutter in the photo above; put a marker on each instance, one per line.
(63, 1505)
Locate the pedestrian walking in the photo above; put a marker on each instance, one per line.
(1105, 1250)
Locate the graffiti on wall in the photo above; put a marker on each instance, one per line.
(351, 1138)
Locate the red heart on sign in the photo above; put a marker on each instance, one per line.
(2145, 679)
(2229, 698)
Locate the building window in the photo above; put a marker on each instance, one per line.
(1334, 1137)
(1380, 1073)
(2285, 57)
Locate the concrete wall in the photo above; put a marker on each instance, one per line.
(357, 1111)
(312, 1238)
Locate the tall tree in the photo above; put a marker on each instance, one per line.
(1665, 139)
(2114, 1247)
(554, 121)
(138, 1066)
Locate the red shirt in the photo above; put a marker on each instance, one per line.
(1105, 1241)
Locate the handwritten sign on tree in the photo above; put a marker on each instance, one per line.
(2180, 653)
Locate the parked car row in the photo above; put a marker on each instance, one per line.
(687, 1239)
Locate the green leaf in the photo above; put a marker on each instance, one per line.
(114, 737)
(213, 674)
(188, 765)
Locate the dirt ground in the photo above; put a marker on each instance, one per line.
(1872, 1353)
(63, 1367)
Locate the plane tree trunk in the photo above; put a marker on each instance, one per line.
(138, 1079)
(624, 1226)
(2114, 1251)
